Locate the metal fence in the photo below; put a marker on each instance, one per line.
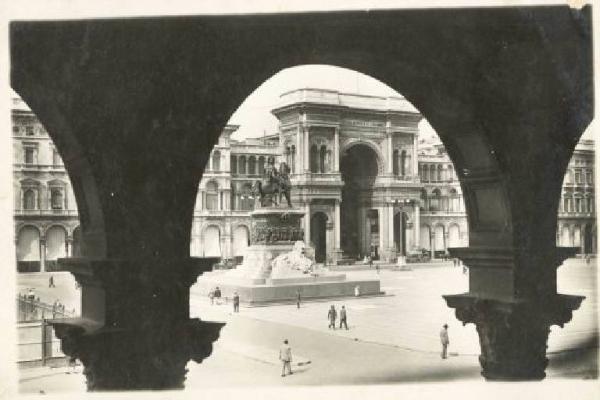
(36, 339)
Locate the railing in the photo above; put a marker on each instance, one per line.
(51, 212)
(36, 166)
(32, 309)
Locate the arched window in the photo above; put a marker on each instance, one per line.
(29, 199)
(261, 165)
(425, 172)
(431, 173)
(450, 173)
(322, 155)
(56, 199)
(395, 169)
(212, 195)
(453, 206)
(439, 172)
(216, 160)
(252, 165)
(242, 165)
(314, 158)
(233, 164)
(590, 204)
(403, 163)
(578, 204)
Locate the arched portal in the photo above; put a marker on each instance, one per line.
(240, 241)
(28, 249)
(454, 236)
(359, 167)
(439, 239)
(212, 242)
(588, 239)
(56, 238)
(318, 235)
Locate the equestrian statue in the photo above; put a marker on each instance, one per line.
(274, 184)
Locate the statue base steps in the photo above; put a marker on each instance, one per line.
(273, 292)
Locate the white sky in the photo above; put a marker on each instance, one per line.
(254, 114)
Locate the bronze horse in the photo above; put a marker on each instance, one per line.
(274, 186)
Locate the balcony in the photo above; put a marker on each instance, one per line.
(39, 167)
(46, 213)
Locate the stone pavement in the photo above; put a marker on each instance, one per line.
(412, 314)
(392, 339)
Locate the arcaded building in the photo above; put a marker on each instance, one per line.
(367, 182)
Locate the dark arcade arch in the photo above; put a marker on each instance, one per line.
(358, 167)
(318, 235)
(110, 88)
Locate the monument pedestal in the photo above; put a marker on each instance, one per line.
(275, 266)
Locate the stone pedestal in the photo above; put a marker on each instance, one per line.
(512, 308)
(277, 265)
(135, 331)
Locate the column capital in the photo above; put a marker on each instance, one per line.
(514, 333)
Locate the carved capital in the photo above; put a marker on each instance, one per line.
(149, 358)
(513, 334)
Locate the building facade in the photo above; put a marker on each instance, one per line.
(45, 210)
(366, 181)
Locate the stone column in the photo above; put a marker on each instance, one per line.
(417, 224)
(391, 239)
(43, 255)
(381, 214)
(69, 246)
(299, 167)
(512, 321)
(390, 153)
(307, 224)
(337, 222)
(415, 155)
(306, 149)
(123, 347)
(336, 150)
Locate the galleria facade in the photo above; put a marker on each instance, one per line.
(367, 182)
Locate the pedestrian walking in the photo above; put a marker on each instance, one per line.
(51, 282)
(218, 295)
(298, 298)
(236, 302)
(343, 318)
(211, 296)
(332, 316)
(377, 268)
(445, 341)
(370, 259)
(285, 355)
(357, 291)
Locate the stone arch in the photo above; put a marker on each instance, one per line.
(480, 121)
(56, 242)
(211, 240)
(454, 235)
(240, 239)
(348, 144)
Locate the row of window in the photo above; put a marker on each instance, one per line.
(27, 130)
(30, 155)
(578, 175)
(436, 173)
(247, 165)
(578, 205)
(31, 199)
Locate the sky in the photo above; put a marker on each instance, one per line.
(255, 118)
